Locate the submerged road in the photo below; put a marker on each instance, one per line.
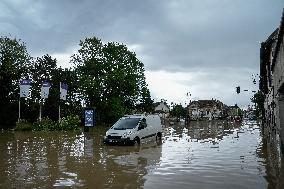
(202, 155)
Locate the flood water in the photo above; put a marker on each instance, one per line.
(201, 155)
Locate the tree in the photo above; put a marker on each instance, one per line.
(110, 77)
(178, 111)
(14, 65)
(258, 99)
(89, 65)
(43, 68)
(146, 103)
(72, 105)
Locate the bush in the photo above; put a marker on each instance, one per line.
(70, 123)
(45, 124)
(23, 126)
(66, 124)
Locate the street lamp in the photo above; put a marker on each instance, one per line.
(188, 94)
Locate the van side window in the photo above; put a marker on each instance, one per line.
(143, 123)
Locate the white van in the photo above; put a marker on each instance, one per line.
(134, 129)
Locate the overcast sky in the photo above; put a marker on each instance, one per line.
(204, 47)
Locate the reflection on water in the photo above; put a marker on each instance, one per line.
(202, 155)
(274, 164)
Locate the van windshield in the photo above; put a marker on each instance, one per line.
(127, 123)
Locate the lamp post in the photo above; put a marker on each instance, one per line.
(188, 94)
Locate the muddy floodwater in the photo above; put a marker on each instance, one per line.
(201, 155)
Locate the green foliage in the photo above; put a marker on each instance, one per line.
(72, 105)
(70, 123)
(8, 114)
(23, 126)
(66, 124)
(240, 112)
(14, 65)
(110, 78)
(178, 111)
(146, 104)
(43, 68)
(258, 99)
(115, 110)
(107, 77)
(46, 124)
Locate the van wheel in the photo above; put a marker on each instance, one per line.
(136, 142)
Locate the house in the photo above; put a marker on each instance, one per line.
(205, 109)
(162, 109)
(233, 111)
(249, 113)
(271, 82)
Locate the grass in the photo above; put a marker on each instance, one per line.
(23, 126)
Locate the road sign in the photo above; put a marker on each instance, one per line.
(89, 115)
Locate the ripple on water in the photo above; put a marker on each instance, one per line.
(202, 155)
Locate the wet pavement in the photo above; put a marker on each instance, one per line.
(212, 154)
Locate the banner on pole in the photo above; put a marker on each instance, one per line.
(25, 86)
(63, 91)
(45, 89)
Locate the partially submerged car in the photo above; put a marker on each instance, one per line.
(134, 130)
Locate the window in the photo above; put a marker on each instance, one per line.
(143, 123)
(126, 123)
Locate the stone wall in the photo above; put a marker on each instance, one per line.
(281, 119)
(278, 82)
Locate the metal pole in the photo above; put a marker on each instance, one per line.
(40, 107)
(59, 101)
(59, 113)
(19, 110)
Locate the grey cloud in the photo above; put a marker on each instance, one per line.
(221, 84)
(53, 26)
(178, 35)
(175, 35)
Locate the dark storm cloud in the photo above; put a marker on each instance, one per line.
(57, 25)
(215, 43)
(173, 35)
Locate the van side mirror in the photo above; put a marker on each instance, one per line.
(142, 124)
(140, 127)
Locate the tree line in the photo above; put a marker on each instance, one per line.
(108, 77)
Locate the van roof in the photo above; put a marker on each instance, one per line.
(139, 115)
(134, 116)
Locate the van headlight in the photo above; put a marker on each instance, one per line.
(124, 135)
(106, 135)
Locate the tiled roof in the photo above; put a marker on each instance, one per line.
(158, 103)
(207, 103)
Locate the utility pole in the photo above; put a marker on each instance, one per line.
(188, 94)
